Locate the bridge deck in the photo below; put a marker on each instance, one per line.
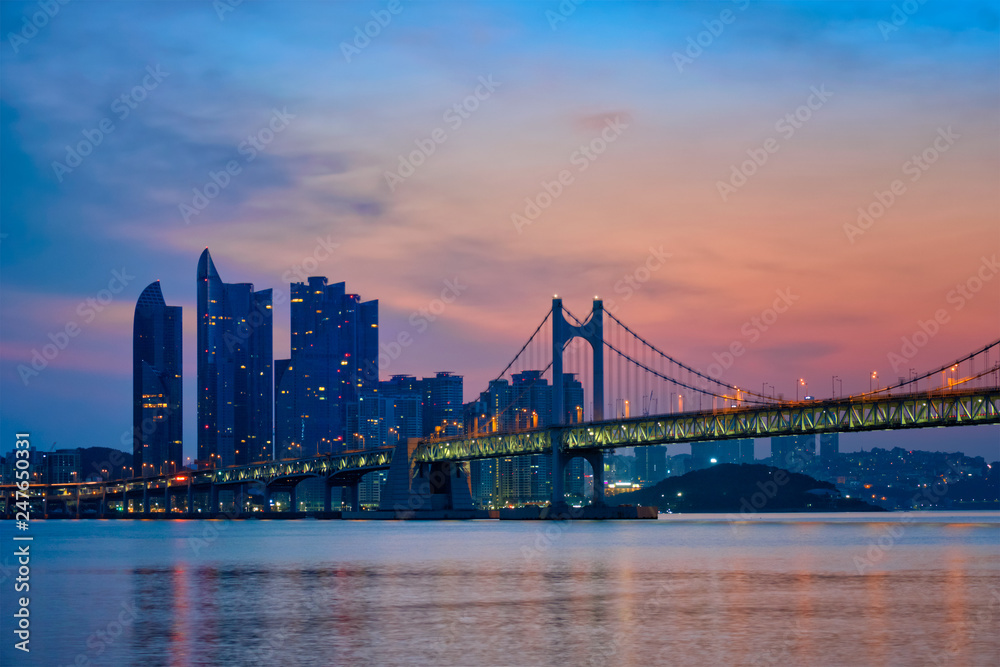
(918, 410)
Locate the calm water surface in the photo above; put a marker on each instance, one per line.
(885, 589)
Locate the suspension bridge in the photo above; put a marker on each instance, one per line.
(643, 382)
(577, 388)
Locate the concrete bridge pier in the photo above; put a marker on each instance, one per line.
(213, 499)
(239, 499)
(413, 489)
(595, 457)
(353, 497)
(327, 497)
(596, 460)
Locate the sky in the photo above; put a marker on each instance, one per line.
(845, 155)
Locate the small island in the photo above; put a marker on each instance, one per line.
(747, 489)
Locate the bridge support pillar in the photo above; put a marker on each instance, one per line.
(239, 499)
(267, 498)
(353, 497)
(327, 497)
(145, 497)
(166, 498)
(412, 488)
(597, 463)
(190, 498)
(77, 495)
(591, 331)
(293, 500)
(213, 499)
(558, 476)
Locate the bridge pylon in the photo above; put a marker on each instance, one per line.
(592, 331)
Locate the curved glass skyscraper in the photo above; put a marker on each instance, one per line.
(235, 377)
(156, 384)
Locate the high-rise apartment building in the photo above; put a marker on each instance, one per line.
(235, 377)
(156, 384)
(333, 366)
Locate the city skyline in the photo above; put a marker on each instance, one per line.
(465, 332)
(780, 260)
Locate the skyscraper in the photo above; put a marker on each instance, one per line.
(287, 423)
(829, 446)
(406, 395)
(525, 403)
(443, 413)
(156, 384)
(235, 378)
(706, 454)
(650, 464)
(792, 452)
(333, 366)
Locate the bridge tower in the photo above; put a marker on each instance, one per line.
(592, 331)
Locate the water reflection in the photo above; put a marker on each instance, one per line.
(675, 593)
(573, 613)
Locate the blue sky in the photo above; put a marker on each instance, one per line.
(349, 122)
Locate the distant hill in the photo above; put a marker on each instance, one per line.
(743, 488)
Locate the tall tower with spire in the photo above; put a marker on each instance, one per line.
(156, 384)
(235, 374)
